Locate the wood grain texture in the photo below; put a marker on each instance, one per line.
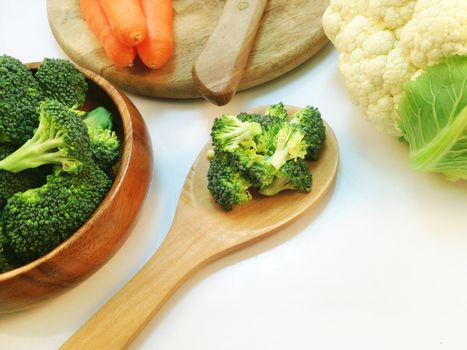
(290, 33)
(220, 66)
(101, 236)
(201, 233)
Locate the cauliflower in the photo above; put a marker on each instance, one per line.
(385, 43)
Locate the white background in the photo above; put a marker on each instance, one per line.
(381, 264)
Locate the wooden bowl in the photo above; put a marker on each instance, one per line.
(106, 230)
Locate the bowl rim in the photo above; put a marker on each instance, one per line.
(127, 131)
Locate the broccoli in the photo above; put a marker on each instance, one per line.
(60, 80)
(7, 261)
(19, 98)
(312, 126)
(61, 138)
(11, 183)
(250, 117)
(227, 185)
(289, 144)
(252, 166)
(270, 126)
(228, 132)
(278, 110)
(294, 175)
(266, 141)
(39, 219)
(270, 159)
(98, 118)
(105, 145)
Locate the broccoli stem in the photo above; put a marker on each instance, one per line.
(33, 153)
(238, 135)
(285, 142)
(279, 157)
(277, 185)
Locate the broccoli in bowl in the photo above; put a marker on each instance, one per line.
(54, 177)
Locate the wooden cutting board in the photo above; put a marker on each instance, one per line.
(290, 33)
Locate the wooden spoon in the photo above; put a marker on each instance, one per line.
(219, 68)
(201, 232)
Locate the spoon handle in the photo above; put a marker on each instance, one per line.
(219, 68)
(121, 319)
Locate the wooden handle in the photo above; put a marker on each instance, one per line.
(118, 322)
(219, 68)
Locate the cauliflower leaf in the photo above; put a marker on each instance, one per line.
(433, 118)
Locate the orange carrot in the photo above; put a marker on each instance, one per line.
(126, 19)
(158, 46)
(117, 52)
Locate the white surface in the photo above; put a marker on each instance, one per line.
(381, 264)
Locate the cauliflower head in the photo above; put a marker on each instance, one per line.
(385, 43)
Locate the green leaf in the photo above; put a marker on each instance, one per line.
(433, 118)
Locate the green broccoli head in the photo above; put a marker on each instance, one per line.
(105, 148)
(294, 175)
(10, 183)
(60, 80)
(105, 145)
(266, 142)
(20, 96)
(7, 261)
(99, 118)
(228, 132)
(227, 186)
(39, 219)
(252, 166)
(278, 110)
(270, 126)
(250, 117)
(61, 138)
(312, 126)
(271, 159)
(290, 144)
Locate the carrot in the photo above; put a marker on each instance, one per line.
(117, 52)
(126, 19)
(158, 46)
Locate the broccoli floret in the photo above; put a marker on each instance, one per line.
(294, 175)
(278, 110)
(5, 264)
(271, 159)
(10, 183)
(39, 219)
(290, 144)
(312, 126)
(266, 142)
(60, 80)
(228, 132)
(227, 186)
(252, 166)
(250, 117)
(19, 98)
(105, 145)
(61, 138)
(278, 142)
(270, 126)
(99, 118)
(7, 261)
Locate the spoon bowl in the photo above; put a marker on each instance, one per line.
(261, 214)
(201, 232)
